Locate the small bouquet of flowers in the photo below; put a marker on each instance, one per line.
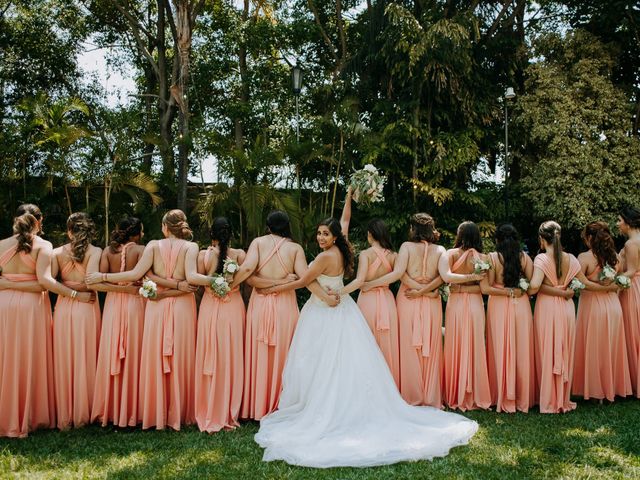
(523, 284)
(220, 286)
(607, 273)
(577, 286)
(230, 267)
(149, 289)
(480, 266)
(444, 291)
(623, 281)
(367, 185)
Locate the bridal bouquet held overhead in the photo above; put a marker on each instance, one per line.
(367, 185)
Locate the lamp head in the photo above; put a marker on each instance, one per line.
(509, 93)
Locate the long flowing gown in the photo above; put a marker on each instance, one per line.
(118, 372)
(421, 362)
(510, 358)
(340, 405)
(219, 359)
(271, 321)
(630, 301)
(554, 322)
(167, 363)
(466, 379)
(601, 368)
(27, 399)
(76, 337)
(379, 310)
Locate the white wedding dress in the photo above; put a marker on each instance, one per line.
(339, 404)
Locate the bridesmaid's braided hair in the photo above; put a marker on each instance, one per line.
(25, 226)
(221, 231)
(128, 228)
(550, 231)
(176, 221)
(597, 236)
(342, 243)
(82, 231)
(508, 246)
(423, 227)
(468, 236)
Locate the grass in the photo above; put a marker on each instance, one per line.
(595, 441)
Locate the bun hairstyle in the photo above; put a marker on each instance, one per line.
(342, 243)
(380, 233)
(631, 216)
(597, 236)
(82, 230)
(508, 246)
(550, 231)
(176, 222)
(278, 223)
(25, 226)
(468, 236)
(423, 227)
(221, 232)
(127, 228)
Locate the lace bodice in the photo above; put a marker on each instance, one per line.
(328, 282)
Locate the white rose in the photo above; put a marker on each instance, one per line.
(219, 280)
(370, 168)
(232, 267)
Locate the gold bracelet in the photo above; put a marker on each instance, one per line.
(104, 277)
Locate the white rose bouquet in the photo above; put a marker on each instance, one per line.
(623, 281)
(230, 267)
(367, 185)
(480, 266)
(220, 286)
(577, 286)
(149, 289)
(523, 284)
(444, 291)
(607, 273)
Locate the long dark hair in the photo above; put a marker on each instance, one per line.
(82, 231)
(631, 216)
(380, 233)
(127, 228)
(25, 226)
(342, 243)
(221, 232)
(468, 236)
(597, 236)
(508, 246)
(278, 223)
(423, 227)
(550, 232)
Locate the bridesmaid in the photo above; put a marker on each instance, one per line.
(601, 367)
(510, 359)
(554, 320)
(419, 313)
(116, 390)
(167, 364)
(466, 380)
(220, 339)
(76, 326)
(629, 225)
(27, 398)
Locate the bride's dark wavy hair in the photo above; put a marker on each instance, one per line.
(508, 246)
(342, 243)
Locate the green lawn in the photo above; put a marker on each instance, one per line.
(593, 442)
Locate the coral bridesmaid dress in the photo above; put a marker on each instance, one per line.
(26, 358)
(465, 358)
(379, 309)
(420, 325)
(167, 364)
(554, 321)
(76, 336)
(630, 301)
(510, 358)
(219, 359)
(118, 373)
(271, 322)
(601, 368)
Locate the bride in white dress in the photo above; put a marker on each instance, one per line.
(339, 404)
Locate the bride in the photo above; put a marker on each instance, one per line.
(339, 404)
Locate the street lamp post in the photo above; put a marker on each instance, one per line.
(296, 80)
(508, 95)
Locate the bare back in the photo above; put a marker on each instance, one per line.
(276, 256)
(15, 265)
(423, 264)
(498, 267)
(111, 262)
(380, 263)
(173, 247)
(68, 269)
(630, 245)
(209, 267)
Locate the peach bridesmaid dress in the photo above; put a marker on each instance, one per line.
(601, 368)
(466, 380)
(116, 391)
(630, 301)
(167, 364)
(26, 359)
(510, 358)
(379, 309)
(76, 336)
(271, 322)
(219, 359)
(420, 326)
(554, 321)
